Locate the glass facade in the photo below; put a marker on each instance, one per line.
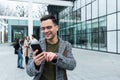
(92, 24)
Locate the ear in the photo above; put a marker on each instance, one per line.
(57, 28)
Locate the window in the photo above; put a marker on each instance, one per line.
(82, 3)
(78, 5)
(118, 41)
(95, 40)
(118, 5)
(111, 41)
(111, 22)
(111, 6)
(88, 26)
(102, 7)
(84, 30)
(119, 20)
(88, 1)
(95, 25)
(89, 41)
(83, 14)
(102, 23)
(88, 11)
(102, 34)
(95, 9)
(78, 28)
(78, 15)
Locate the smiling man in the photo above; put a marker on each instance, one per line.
(56, 58)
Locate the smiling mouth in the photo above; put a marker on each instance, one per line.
(47, 35)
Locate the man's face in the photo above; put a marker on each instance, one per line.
(49, 29)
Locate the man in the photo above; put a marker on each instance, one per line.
(56, 57)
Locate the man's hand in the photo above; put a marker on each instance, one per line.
(50, 56)
(38, 58)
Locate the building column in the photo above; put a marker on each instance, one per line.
(30, 19)
(3, 34)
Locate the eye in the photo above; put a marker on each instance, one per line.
(42, 28)
(49, 27)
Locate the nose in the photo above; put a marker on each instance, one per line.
(46, 30)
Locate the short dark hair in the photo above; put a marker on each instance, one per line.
(33, 36)
(45, 17)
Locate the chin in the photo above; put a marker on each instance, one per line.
(48, 38)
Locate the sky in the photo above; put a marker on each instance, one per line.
(12, 5)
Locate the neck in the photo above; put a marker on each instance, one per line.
(53, 41)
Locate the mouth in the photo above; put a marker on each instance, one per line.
(47, 34)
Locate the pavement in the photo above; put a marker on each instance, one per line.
(91, 65)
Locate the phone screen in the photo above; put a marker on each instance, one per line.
(35, 47)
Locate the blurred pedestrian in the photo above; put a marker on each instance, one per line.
(18, 48)
(34, 40)
(26, 48)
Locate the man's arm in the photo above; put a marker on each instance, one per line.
(68, 61)
(33, 67)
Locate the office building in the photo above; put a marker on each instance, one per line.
(90, 24)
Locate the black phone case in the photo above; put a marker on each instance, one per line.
(35, 47)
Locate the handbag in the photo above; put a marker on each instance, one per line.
(15, 52)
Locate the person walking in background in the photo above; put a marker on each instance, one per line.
(18, 47)
(34, 40)
(56, 58)
(26, 49)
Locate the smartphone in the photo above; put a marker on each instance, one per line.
(36, 47)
